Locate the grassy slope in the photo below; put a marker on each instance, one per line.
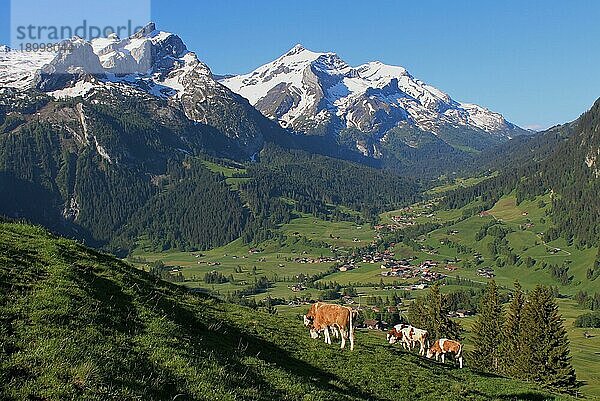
(525, 242)
(227, 172)
(75, 324)
(586, 357)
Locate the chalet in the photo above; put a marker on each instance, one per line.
(348, 299)
(297, 288)
(428, 263)
(430, 276)
(464, 313)
(486, 272)
(415, 287)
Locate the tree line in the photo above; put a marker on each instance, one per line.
(527, 342)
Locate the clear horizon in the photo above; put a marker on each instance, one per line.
(531, 62)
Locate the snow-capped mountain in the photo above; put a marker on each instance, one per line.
(311, 91)
(373, 110)
(18, 69)
(151, 62)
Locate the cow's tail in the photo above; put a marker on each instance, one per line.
(459, 353)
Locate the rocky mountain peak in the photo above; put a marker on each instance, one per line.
(318, 91)
(145, 31)
(74, 60)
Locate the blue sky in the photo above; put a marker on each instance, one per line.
(533, 61)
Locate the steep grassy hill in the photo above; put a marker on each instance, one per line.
(76, 324)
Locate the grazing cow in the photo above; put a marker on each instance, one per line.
(409, 336)
(444, 346)
(419, 336)
(310, 317)
(399, 333)
(322, 316)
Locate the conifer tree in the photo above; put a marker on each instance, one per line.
(430, 313)
(487, 330)
(511, 352)
(545, 343)
(417, 315)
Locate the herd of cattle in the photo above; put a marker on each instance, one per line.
(338, 321)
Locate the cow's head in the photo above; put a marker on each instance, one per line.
(307, 321)
(429, 353)
(391, 336)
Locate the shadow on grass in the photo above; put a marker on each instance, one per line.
(232, 344)
(198, 323)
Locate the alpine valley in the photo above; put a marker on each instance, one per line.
(163, 229)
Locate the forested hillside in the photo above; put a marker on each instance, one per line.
(130, 168)
(97, 172)
(567, 169)
(315, 181)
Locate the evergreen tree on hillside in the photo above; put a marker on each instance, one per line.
(511, 347)
(417, 315)
(594, 271)
(431, 313)
(487, 330)
(545, 343)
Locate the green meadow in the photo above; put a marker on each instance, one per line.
(309, 237)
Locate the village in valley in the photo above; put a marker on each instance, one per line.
(361, 258)
(380, 270)
(355, 256)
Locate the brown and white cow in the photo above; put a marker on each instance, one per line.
(444, 346)
(322, 317)
(419, 336)
(409, 336)
(310, 317)
(399, 333)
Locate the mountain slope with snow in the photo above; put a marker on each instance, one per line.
(373, 113)
(150, 62)
(309, 91)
